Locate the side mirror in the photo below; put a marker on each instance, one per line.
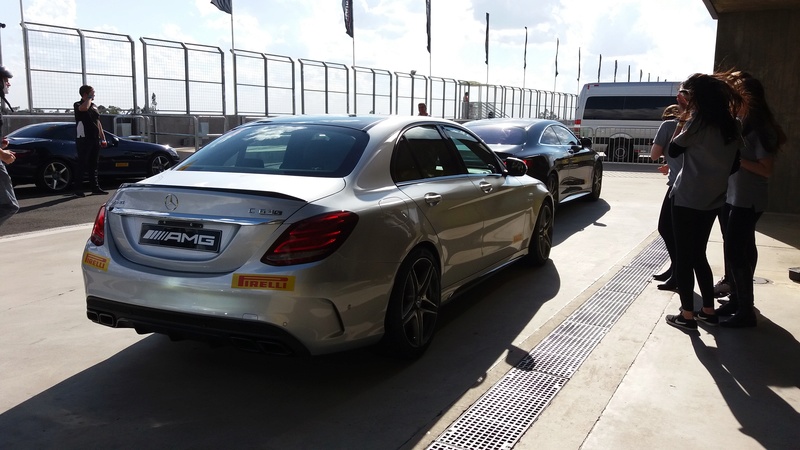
(516, 167)
(586, 142)
(112, 140)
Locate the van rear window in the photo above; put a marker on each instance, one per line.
(626, 107)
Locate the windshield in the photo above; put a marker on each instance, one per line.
(285, 149)
(45, 131)
(500, 135)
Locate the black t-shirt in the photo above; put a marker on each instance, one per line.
(86, 122)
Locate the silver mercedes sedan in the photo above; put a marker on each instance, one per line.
(308, 235)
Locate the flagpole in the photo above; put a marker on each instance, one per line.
(430, 85)
(429, 93)
(235, 90)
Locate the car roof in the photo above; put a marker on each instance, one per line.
(356, 122)
(511, 122)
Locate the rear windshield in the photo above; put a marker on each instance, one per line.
(494, 134)
(626, 107)
(286, 149)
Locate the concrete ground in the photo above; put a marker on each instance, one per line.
(68, 383)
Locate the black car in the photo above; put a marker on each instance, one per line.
(46, 156)
(567, 165)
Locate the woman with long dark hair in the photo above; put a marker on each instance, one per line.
(748, 192)
(709, 138)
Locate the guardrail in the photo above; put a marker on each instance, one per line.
(621, 144)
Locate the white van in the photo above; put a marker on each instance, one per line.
(622, 118)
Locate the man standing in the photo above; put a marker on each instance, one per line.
(423, 109)
(88, 140)
(8, 200)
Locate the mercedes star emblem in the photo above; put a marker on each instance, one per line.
(171, 202)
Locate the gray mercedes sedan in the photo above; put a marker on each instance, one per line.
(314, 234)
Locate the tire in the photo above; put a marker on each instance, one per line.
(620, 150)
(542, 237)
(597, 184)
(55, 176)
(157, 164)
(552, 186)
(413, 309)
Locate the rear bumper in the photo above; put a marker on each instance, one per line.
(246, 334)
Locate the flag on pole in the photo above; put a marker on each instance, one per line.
(428, 22)
(629, 73)
(579, 64)
(487, 39)
(599, 65)
(556, 56)
(223, 5)
(615, 71)
(640, 75)
(525, 53)
(347, 9)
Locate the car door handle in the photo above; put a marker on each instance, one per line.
(486, 187)
(433, 199)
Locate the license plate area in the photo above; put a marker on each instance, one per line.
(186, 236)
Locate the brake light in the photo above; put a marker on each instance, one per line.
(312, 239)
(577, 126)
(98, 237)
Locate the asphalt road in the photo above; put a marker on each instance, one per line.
(41, 210)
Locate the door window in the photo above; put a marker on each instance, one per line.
(565, 136)
(423, 153)
(476, 156)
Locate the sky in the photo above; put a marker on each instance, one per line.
(665, 40)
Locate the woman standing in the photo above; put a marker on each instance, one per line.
(709, 138)
(748, 191)
(671, 168)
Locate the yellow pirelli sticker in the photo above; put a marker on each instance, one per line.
(267, 282)
(96, 261)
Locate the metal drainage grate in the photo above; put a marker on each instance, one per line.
(505, 412)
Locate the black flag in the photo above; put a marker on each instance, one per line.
(579, 64)
(525, 53)
(599, 65)
(428, 22)
(347, 9)
(487, 38)
(223, 5)
(556, 56)
(615, 71)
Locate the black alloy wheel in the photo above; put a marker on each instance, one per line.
(542, 237)
(55, 176)
(552, 186)
(158, 163)
(414, 306)
(597, 183)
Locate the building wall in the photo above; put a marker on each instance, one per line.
(767, 44)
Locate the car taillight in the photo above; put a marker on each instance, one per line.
(98, 237)
(577, 126)
(312, 239)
